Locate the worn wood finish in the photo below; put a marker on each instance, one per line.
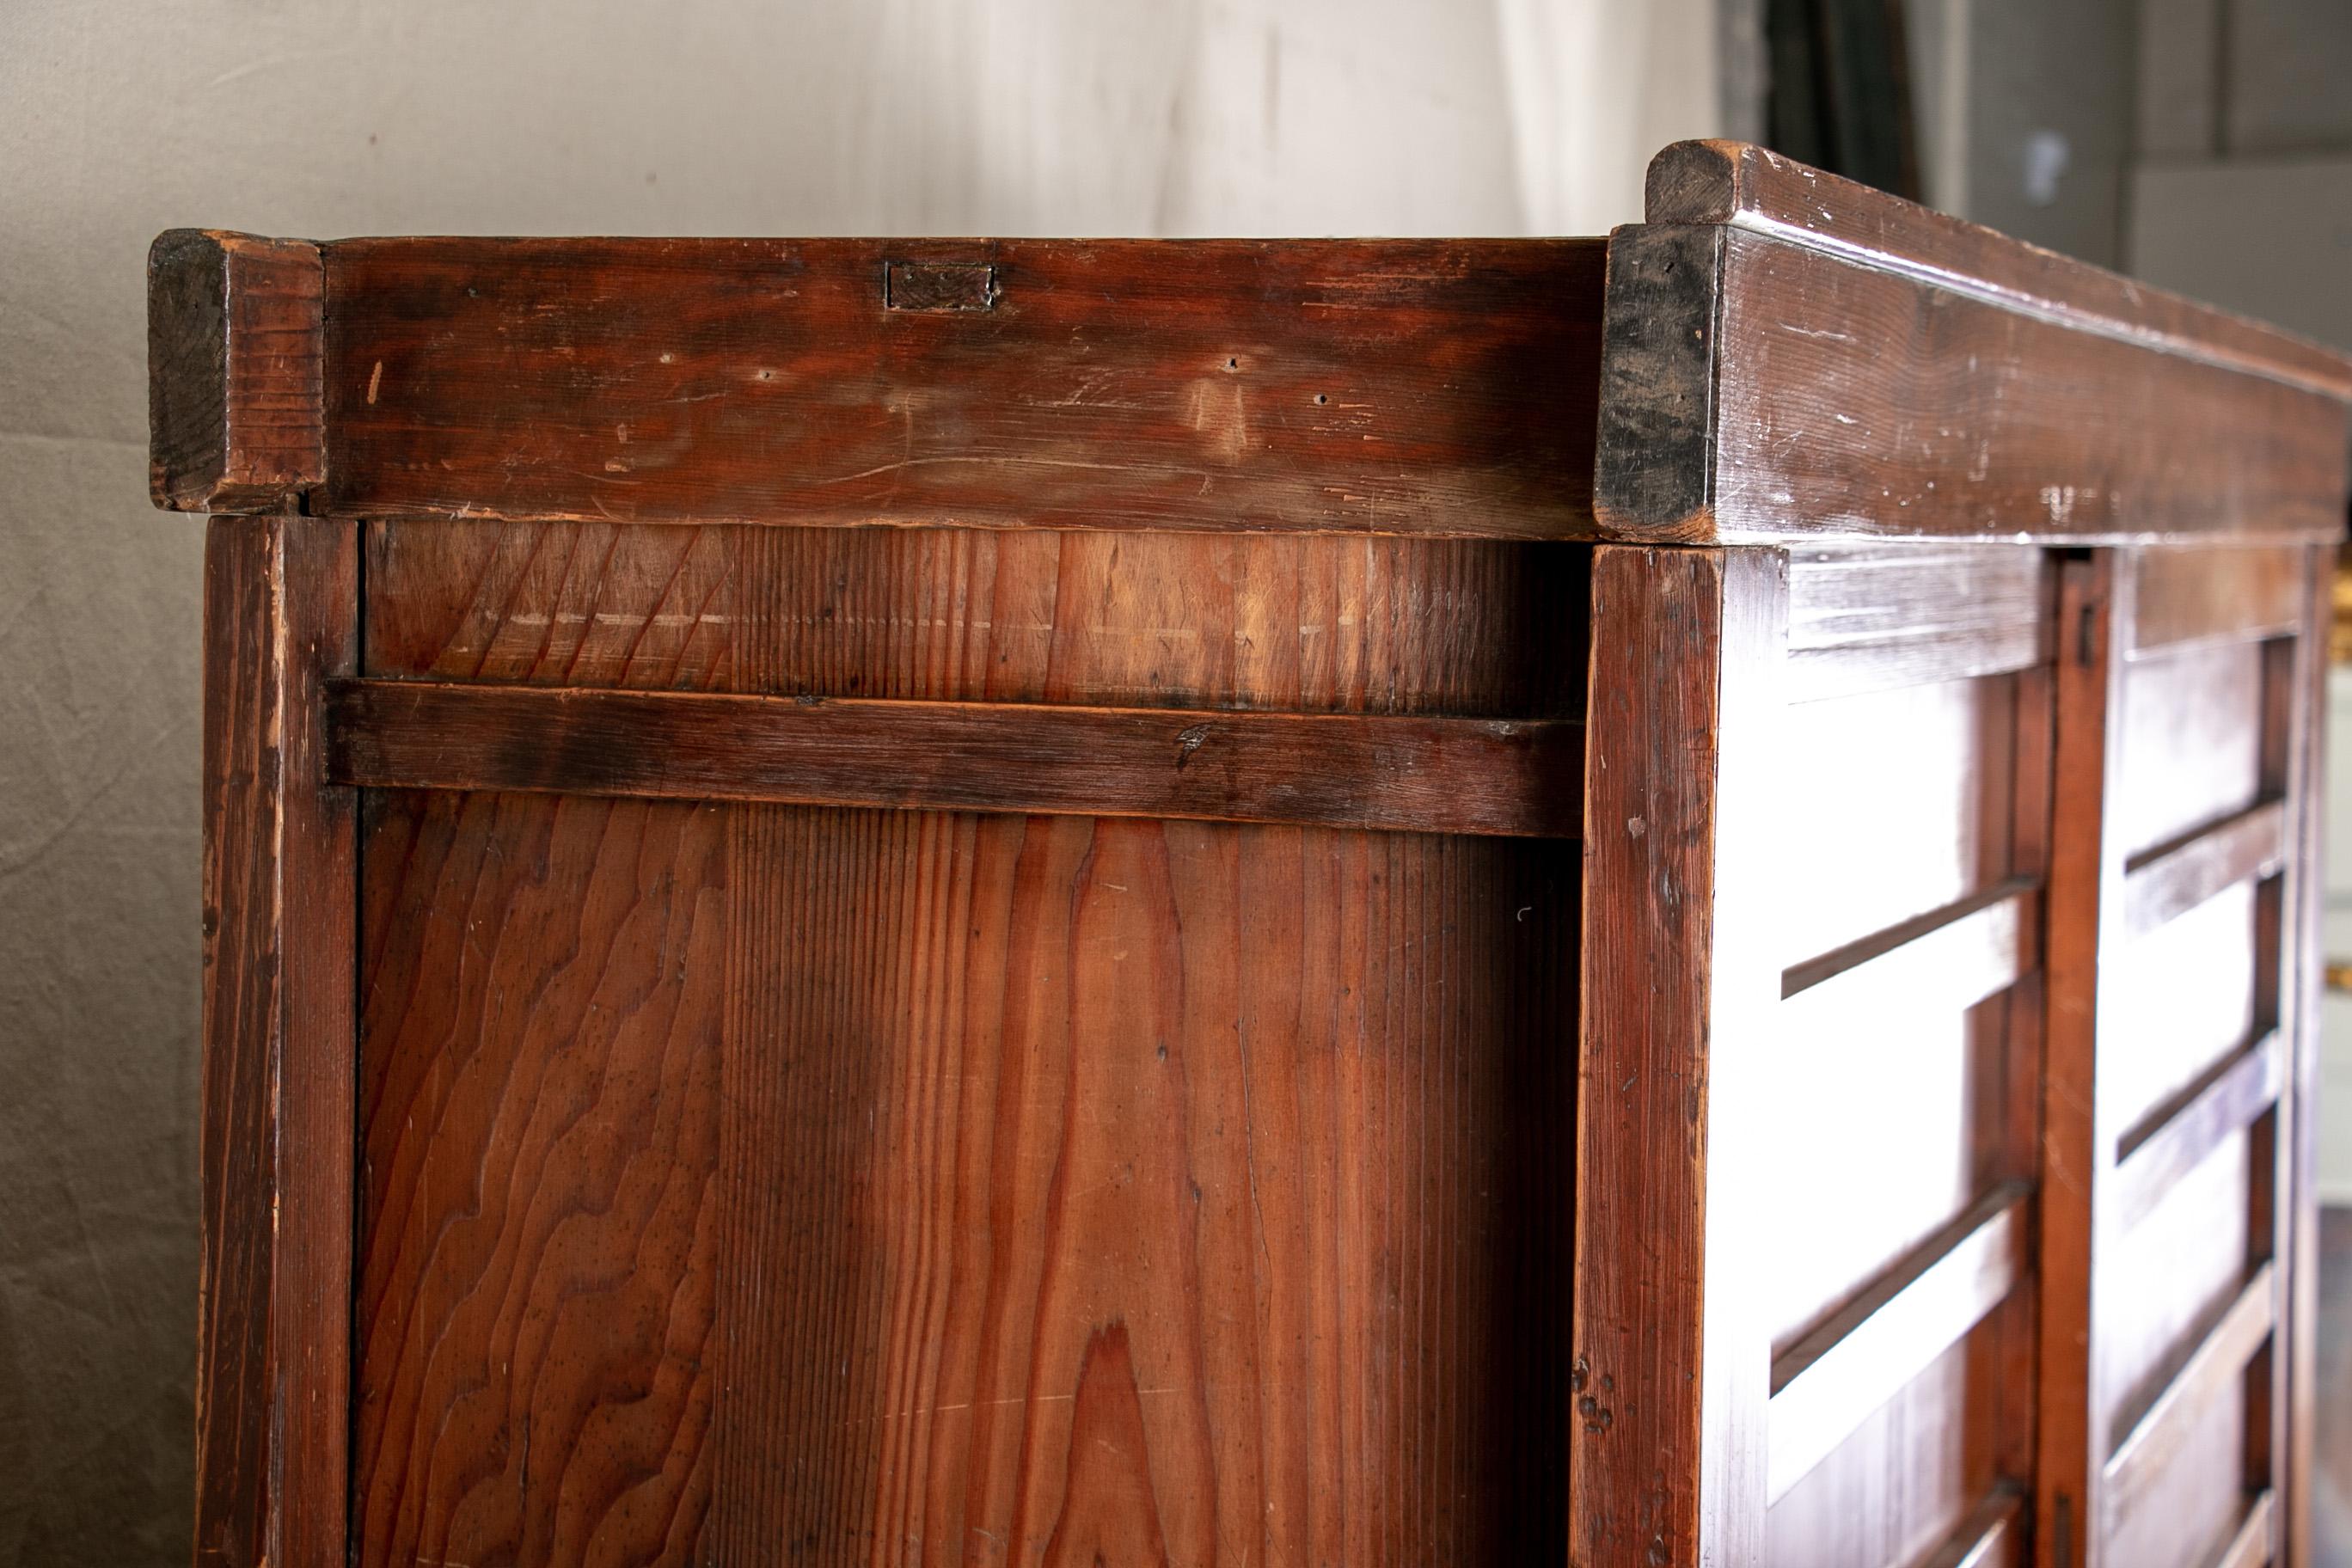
(937, 980)
(1751, 188)
(1804, 394)
(1384, 771)
(2173, 931)
(1870, 1349)
(273, 1326)
(1864, 618)
(1391, 386)
(234, 339)
(1018, 1153)
(1677, 990)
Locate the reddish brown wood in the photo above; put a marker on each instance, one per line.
(272, 1362)
(2293, 1519)
(1791, 393)
(1667, 1455)
(2094, 618)
(1391, 386)
(235, 338)
(1385, 771)
(1285, 1289)
(1734, 184)
(1828, 1382)
(1174, 1156)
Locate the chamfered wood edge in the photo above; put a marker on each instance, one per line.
(235, 345)
(1739, 185)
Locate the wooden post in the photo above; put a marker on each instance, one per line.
(1680, 989)
(235, 383)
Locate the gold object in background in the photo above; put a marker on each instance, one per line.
(2340, 631)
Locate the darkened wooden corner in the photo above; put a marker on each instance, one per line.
(235, 346)
(1387, 902)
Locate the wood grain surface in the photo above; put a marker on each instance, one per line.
(276, 1135)
(1388, 772)
(234, 339)
(1734, 184)
(772, 1183)
(1377, 386)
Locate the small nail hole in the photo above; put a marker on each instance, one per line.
(1320, 398)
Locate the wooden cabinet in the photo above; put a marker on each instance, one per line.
(1379, 903)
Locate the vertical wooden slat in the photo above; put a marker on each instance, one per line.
(272, 1377)
(1681, 984)
(2298, 1212)
(2084, 903)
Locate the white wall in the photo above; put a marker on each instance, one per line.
(323, 118)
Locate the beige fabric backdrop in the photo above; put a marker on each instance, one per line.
(324, 118)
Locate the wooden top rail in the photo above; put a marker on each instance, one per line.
(1778, 356)
(1751, 188)
(1788, 355)
(1433, 387)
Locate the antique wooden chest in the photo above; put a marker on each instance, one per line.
(1128, 903)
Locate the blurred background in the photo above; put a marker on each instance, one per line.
(2204, 145)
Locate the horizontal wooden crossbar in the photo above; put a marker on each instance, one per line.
(2140, 1459)
(1948, 958)
(1828, 1382)
(1381, 772)
(1868, 618)
(2182, 1131)
(2191, 598)
(1987, 1537)
(2255, 1541)
(2182, 875)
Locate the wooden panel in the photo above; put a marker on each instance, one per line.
(2218, 595)
(2164, 1281)
(233, 371)
(2180, 1134)
(1825, 1384)
(1150, 1259)
(2211, 1370)
(1388, 386)
(540, 1124)
(272, 1356)
(1912, 1095)
(1902, 801)
(1113, 1233)
(1138, 1188)
(1863, 616)
(2168, 882)
(2200, 1499)
(2192, 743)
(1909, 1479)
(1305, 624)
(1391, 772)
(1678, 990)
(2183, 997)
(1953, 957)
